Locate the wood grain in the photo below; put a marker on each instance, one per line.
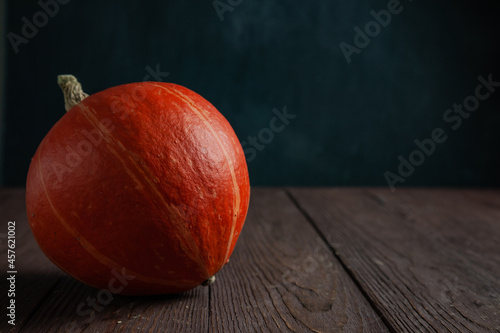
(69, 309)
(424, 260)
(428, 259)
(282, 277)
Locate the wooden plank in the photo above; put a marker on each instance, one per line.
(283, 277)
(428, 259)
(74, 307)
(36, 275)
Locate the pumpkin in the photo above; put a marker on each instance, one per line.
(140, 189)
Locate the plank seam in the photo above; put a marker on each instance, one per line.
(342, 263)
(209, 308)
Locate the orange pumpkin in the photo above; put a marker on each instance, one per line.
(146, 181)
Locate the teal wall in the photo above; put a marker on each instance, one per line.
(354, 121)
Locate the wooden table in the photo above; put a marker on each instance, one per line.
(308, 260)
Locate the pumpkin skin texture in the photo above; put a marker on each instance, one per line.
(144, 180)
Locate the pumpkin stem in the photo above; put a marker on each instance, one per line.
(209, 281)
(72, 90)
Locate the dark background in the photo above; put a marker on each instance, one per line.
(353, 120)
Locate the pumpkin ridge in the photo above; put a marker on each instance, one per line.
(108, 262)
(184, 235)
(236, 190)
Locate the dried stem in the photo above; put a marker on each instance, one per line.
(209, 281)
(72, 90)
